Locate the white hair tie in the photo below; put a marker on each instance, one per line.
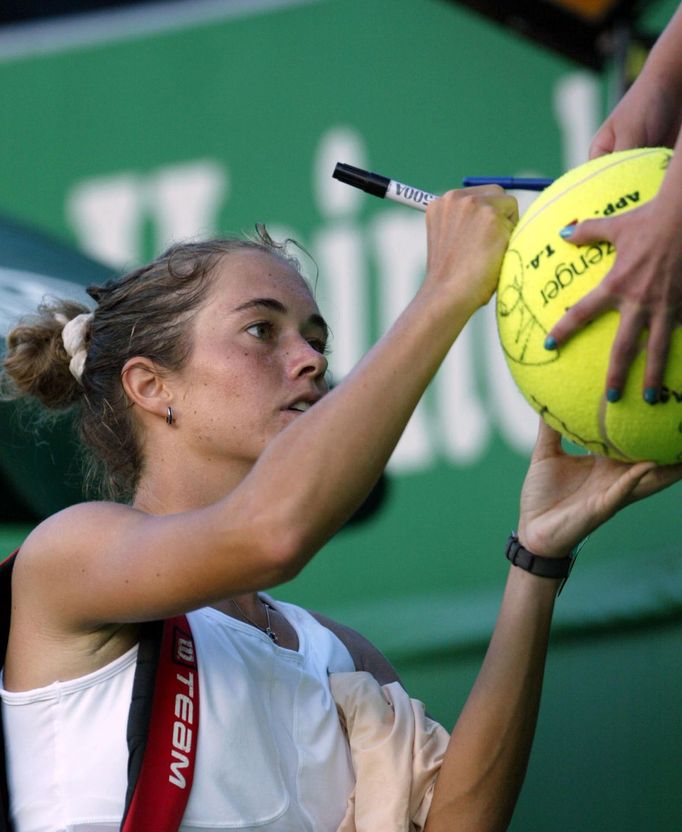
(73, 336)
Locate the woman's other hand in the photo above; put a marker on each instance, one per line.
(565, 497)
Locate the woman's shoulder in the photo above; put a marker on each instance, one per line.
(69, 532)
(364, 654)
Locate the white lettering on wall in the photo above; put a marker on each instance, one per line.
(184, 200)
(107, 215)
(339, 248)
(399, 239)
(463, 417)
(181, 201)
(514, 417)
(473, 393)
(342, 294)
(576, 105)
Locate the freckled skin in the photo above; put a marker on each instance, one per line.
(231, 418)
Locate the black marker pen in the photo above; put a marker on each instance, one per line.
(385, 188)
(382, 186)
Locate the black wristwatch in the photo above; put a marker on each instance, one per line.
(536, 564)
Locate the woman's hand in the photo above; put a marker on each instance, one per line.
(565, 497)
(644, 285)
(467, 233)
(648, 115)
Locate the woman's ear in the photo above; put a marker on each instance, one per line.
(145, 386)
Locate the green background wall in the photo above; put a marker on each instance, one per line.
(121, 134)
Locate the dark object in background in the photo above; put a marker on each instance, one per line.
(375, 500)
(590, 32)
(19, 11)
(586, 31)
(39, 464)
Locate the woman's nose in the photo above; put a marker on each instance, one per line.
(306, 359)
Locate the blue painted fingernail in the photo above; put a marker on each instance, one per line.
(550, 343)
(651, 395)
(567, 231)
(613, 394)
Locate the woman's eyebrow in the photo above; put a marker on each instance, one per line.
(267, 303)
(277, 306)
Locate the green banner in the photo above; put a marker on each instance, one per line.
(123, 132)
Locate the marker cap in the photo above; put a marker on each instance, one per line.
(371, 183)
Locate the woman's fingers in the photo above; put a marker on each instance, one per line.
(656, 479)
(644, 286)
(624, 349)
(661, 328)
(548, 442)
(623, 487)
(585, 310)
(468, 231)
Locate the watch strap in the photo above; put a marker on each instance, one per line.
(537, 564)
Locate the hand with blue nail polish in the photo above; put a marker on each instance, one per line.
(645, 282)
(550, 343)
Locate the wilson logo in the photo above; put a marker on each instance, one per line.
(184, 650)
(183, 735)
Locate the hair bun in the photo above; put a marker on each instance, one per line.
(37, 362)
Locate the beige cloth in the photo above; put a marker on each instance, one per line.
(396, 751)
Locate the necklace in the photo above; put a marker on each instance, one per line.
(269, 632)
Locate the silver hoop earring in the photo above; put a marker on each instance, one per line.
(169, 415)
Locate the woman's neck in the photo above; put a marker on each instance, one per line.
(169, 488)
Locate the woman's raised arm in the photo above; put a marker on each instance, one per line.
(564, 498)
(115, 564)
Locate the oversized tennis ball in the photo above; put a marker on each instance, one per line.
(543, 275)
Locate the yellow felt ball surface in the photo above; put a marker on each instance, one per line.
(543, 275)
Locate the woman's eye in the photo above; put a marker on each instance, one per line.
(261, 330)
(319, 344)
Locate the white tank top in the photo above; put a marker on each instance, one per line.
(271, 753)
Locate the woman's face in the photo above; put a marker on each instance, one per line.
(257, 360)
